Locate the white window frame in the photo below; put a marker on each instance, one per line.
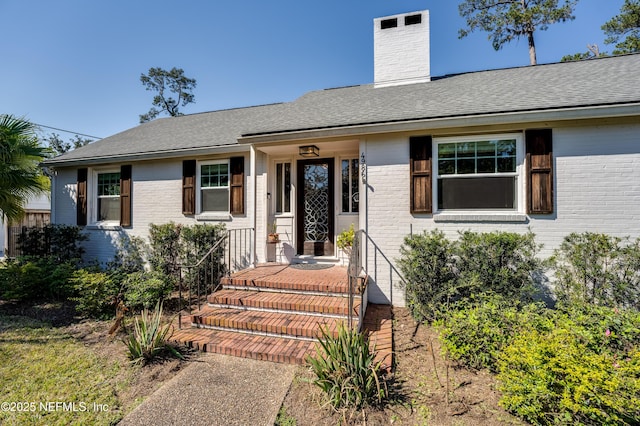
(515, 214)
(217, 215)
(349, 158)
(92, 197)
(274, 197)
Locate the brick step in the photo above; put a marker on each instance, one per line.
(332, 280)
(266, 348)
(283, 289)
(293, 325)
(283, 302)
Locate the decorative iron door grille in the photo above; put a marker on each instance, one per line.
(315, 207)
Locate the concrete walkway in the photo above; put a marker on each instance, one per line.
(217, 390)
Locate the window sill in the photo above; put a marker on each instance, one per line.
(480, 217)
(204, 217)
(104, 227)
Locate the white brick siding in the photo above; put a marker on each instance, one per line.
(596, 184)
(156, 197)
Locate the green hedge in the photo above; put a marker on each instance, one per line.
(439, 272)
(599, 269)
(476, 330)
(585, 370)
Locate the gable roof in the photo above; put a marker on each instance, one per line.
(592, 84)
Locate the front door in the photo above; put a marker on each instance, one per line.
(315, 207)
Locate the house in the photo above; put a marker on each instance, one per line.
(37, 214)
(552, 148)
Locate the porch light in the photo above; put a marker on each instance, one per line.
(309, 151)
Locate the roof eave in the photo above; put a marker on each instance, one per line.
(146, 156)
(474, 120)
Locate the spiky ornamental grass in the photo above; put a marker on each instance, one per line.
(149, 337)
(346, 370)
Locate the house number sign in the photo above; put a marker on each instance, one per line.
(363, 168)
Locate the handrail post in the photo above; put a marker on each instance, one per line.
(180, 301)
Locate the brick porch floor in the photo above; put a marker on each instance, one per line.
(274, 313)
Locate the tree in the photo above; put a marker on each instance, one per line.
(59, 146)
(20, 174)
(592, 52)
(162, 81)
(626, 23)
(506, 20)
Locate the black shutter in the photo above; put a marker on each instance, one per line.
(236, 185)
(125, 195)
(539, 151)
(189, 187)
(81, 198)
(420, 174)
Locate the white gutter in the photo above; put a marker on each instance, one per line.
(560, 114)
(143, 156)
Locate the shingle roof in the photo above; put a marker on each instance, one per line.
(597, 82)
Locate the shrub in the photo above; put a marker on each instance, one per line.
(43, 271)
(196, 241)
(578, 372)
(145, 289)
(346, 370)
(130, 255)
(499, 262)
(174, 245)
(427, 265)
(60, 242)
(165, 248)
(149, 337)
(598, 269)
(438, 272)
(97, 293)
(476, 330)
(36, 279)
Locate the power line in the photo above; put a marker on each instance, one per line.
(67, 131)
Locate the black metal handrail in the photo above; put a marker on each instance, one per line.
(232, 252)
(357, 274)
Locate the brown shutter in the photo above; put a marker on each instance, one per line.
(539, 171)
(81, 198)
(420, 168)
(125, 195)
(236, 185)
(189, 187)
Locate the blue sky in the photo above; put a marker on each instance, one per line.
(76, 64)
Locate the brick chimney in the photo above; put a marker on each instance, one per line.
(401, 49)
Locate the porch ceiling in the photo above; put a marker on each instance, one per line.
(283, 149)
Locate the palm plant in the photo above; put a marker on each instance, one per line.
(20, 173)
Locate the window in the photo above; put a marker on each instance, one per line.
(350, 195)
(108, 197)
(214, 187)
(283, 187)
(104, 196)
(479, 173)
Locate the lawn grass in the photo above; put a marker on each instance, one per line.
(63, 379)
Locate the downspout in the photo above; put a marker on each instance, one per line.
(365, 182)
(52, 197)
